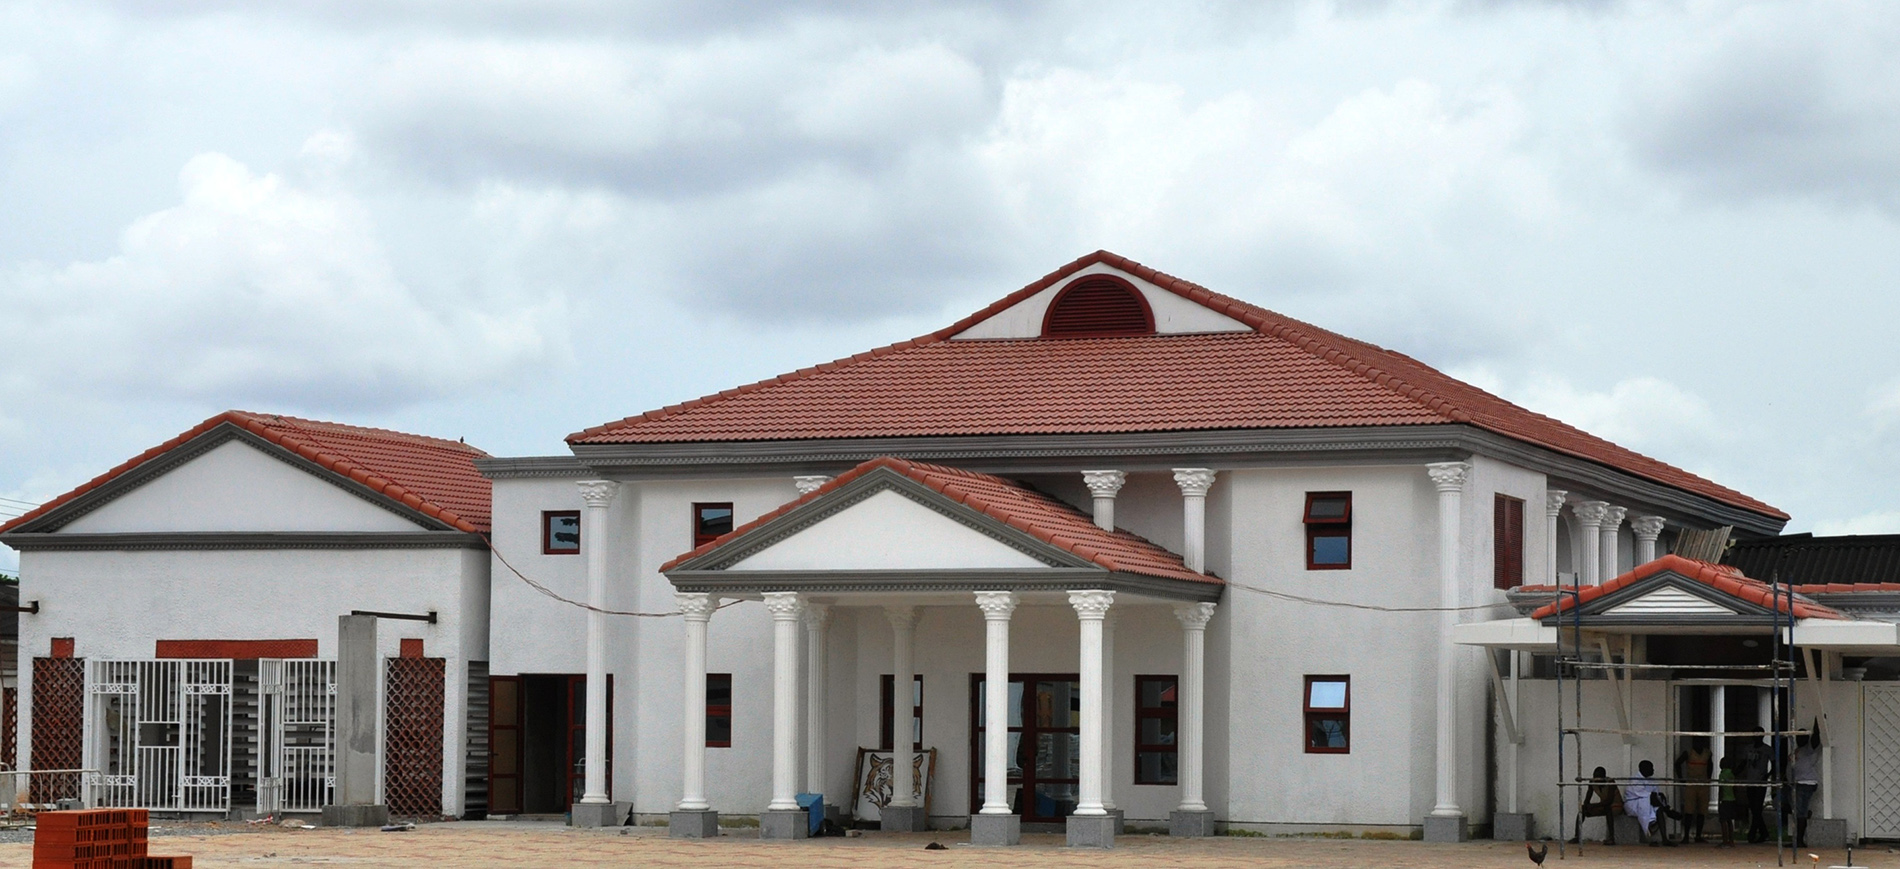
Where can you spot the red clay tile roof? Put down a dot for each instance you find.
(1284, 374)
(1845, 587)
(1718, 576)
(1031, 512)
(432, 476)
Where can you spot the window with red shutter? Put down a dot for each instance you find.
(1507, 542)
(1098, 306)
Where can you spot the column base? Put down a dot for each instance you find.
(1511, 826)
(355, 816)
(1118, 815)
(997, 829)
(595, 815)
(1091, 831)
(903, 819)
(1446, 828)
(1191, 825)
(695, 824)
(784, 824)
(1827, 833)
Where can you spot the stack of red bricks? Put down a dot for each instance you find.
(97, 839)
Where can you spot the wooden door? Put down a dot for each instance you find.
(504, 745)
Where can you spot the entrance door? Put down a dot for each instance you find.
(537, 737)
(1045, 744)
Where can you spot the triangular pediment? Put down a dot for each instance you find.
(1174, 314)
(1667, 597)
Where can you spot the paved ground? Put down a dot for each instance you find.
(536, 845)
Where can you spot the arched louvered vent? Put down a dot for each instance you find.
(1098, 306)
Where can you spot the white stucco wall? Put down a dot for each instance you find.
(888, 531)
(235, 487)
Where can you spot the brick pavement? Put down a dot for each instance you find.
(537, 845)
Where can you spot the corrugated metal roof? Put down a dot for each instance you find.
(1805, 559)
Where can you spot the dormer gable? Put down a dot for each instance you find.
(1101, 300)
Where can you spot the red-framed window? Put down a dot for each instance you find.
(718, 710)
(1328, 519)
(560, 532)
(1156, 717)
(1507, 541)
(885, 709)
(1328, 708)
(710, 522)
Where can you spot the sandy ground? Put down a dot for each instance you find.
(491, 843)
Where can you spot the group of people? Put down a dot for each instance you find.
(1742, 791)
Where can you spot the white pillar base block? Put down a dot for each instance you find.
(596, 815)
(1447, 828)
(1091, 831)
(903, 819)
(996, 830)
(693, 825)
(1191, 824)
(784, 824)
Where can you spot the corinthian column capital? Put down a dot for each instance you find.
(1194, 482)
(598, 493)
(1554, 502)
(1591, 513)
(1104, 484)
(1448, 476)
(1647, 527)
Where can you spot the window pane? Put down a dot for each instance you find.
(1015, 704)
(1326, 694)
(1332, 549)
(1157, 731)
(1326, 732)
(564, 532)
(1058, 704)
(1332, 507)
(1157, 693)
(718, 729)
(718, 689)
(1155, 767)
(714, 519)
(1055, 801)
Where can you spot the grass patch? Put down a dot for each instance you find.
(740, 821)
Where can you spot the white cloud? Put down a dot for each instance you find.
(1884, 522)
(254, 289)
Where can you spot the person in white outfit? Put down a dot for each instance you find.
(1639, 801)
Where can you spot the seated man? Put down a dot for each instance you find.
(1644, 802)
(1600, 800)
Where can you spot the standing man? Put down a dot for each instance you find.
(1756, 763)
(1806, 772)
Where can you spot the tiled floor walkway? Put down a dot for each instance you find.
(532, 845)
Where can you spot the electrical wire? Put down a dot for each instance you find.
(1314, 601)
(575, 603)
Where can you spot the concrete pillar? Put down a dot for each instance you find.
(995, 824)
(1091, 825)
(1718, 744)
(903, 813)
(595, 808)
(1446, 823)
(1590, 515)
(1104, 485)
(1646, 529)
(358, 736)
(817, 671)
(1610, 563)
(1108, 718)
(1553, 508)
(782, 818)
(1192, 817)
(694, 818)
(1194, 483)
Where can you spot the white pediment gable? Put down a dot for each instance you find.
(1669, 602)
(887, 531)
(235, 486)
(1174, 315)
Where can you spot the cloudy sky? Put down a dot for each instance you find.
(1674, 224)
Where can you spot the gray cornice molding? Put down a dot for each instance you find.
(218, 436)
(1222, 449)
(204, 540)
(559, 467)
(732, 582)
(857, 491)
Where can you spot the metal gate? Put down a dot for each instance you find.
(159, 734)
(296, 770)
(1880, 737)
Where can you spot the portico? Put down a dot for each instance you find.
(911, 545)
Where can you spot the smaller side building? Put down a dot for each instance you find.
(183, 651)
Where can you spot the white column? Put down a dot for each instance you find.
(997, 607)
(809, 482)
(784, 607)
(903, 705)
(1553, 506)
(1104, 485)
(1090, 607)
(1718, 744)
(1108, 711)
(1191, 696)
(1449, 477)
(1609, 562)
(1590, 515)
(1517, 717)
(1194, 483)
(1647, 529)
(697, 609)
(817, 620)
(598, 495)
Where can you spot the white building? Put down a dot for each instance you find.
(1215, 558)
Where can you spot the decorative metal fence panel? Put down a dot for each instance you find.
(297, 735)
(1881, 737)
(412, 716)
(10, 728)
(59, 714)
(159, 734)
